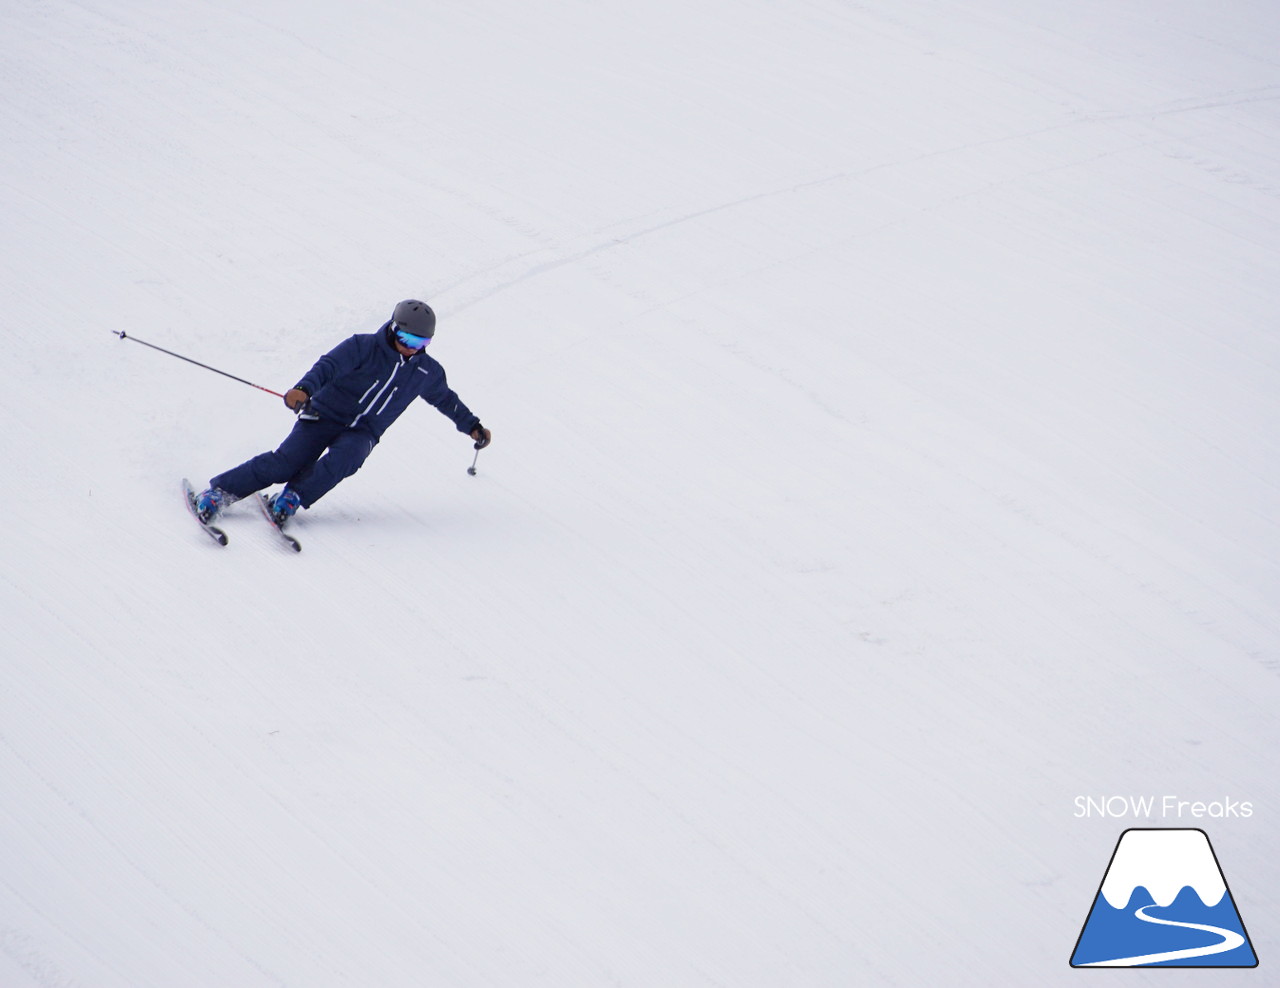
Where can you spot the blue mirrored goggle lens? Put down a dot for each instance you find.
(411, 341)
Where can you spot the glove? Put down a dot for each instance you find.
(482, 436)
(295, 398)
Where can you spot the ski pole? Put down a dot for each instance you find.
(472, 469)
(124, 336)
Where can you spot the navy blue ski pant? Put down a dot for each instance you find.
(313, 459)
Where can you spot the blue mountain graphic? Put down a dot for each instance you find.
(1110, 933)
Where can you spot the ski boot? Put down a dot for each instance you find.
(209, 503)
(283, 506)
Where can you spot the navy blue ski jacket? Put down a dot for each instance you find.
(365, 382)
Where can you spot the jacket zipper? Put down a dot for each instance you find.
(378, 395)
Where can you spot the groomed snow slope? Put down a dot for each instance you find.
(884, 401)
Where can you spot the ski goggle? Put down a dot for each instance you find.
(409, 340)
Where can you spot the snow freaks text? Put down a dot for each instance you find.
(1160, 807)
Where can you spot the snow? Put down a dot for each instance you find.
(1143, 859)
(884, 403)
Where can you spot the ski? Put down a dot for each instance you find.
(189, 497)
(264, 503)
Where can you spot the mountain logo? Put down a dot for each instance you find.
(1164, 902)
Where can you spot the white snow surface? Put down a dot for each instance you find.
(884, 401)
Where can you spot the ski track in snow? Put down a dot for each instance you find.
(563, 255)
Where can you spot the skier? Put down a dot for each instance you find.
(344, 404)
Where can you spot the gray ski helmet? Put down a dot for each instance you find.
(414, 317)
